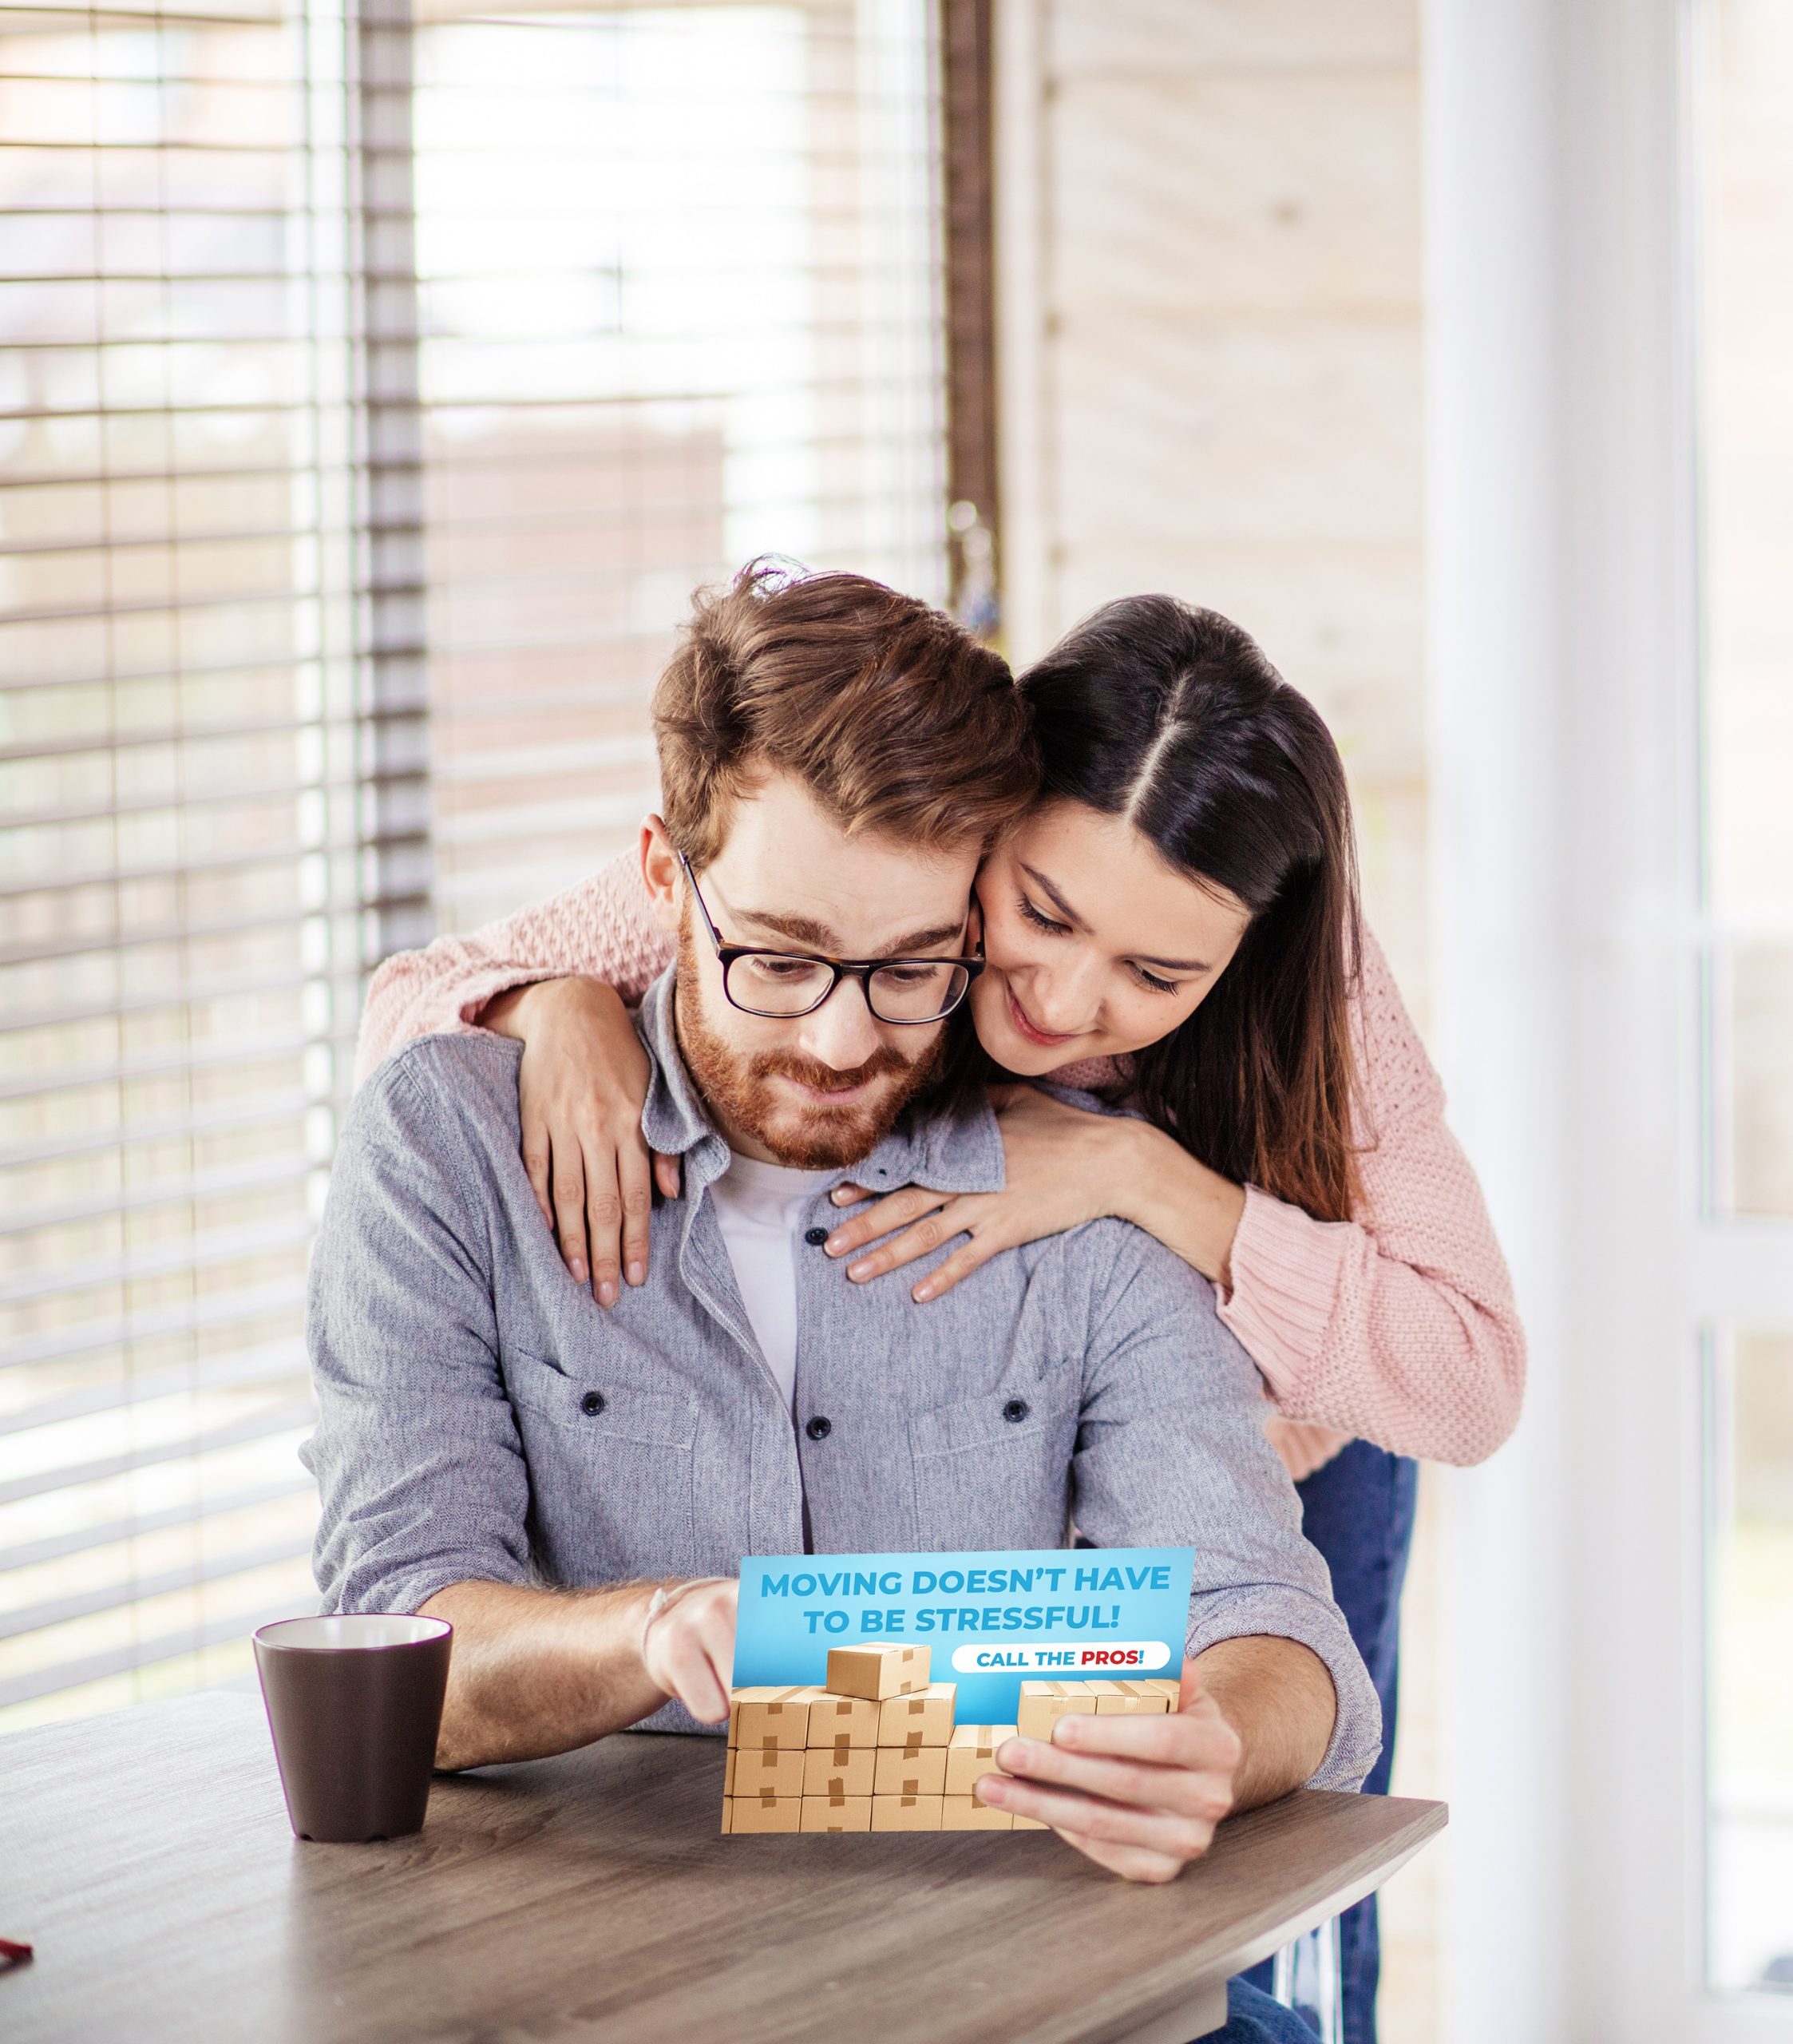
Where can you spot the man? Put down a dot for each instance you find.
(562, 1481)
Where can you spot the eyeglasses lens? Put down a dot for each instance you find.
(917, 991)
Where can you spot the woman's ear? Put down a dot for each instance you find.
(660, 873)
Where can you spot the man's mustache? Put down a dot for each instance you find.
(883, 1063)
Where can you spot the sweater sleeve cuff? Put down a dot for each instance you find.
(460, 1014)
(1286, 1270)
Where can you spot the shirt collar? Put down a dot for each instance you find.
(951, 1145)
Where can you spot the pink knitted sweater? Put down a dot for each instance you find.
(1399, 1328)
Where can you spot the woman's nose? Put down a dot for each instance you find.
(1063, 1001)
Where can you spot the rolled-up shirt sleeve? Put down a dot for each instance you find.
(1171, 1451)
(419, 1468)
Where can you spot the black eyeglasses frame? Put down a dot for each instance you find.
(860, 969)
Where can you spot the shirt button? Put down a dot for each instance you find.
(815, 1237)
(591, 1403)
(1016, 1410)
(819, 1428)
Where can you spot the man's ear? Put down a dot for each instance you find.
(660, 873)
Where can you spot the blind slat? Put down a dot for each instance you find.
(120, 1330)
(130, 1590)
(286, 1168)
(284, 1418)
(58, 1547)
(146, 1653)
(277, 1361)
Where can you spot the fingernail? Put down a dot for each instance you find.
(833, 1246)
(922, 1294)
(638, 1273)
(859, 1272)
(985, 1783)
(577, 1267)
(839, 1195)
(1019, 1755)
(606, 1292)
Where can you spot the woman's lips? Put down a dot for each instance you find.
(1025, 1026)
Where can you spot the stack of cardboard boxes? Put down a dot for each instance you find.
(876, 1748)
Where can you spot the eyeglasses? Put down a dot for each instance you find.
(783, 984)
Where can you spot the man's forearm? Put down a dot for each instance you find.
(1277, 1696)
(540, 1671)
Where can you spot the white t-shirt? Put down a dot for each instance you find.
(760, 1207)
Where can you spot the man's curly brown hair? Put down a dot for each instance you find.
(894, 717)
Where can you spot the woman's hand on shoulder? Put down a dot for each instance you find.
(581, 1087)
(1063, 1165)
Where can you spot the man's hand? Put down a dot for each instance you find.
(540, 1671)
(688, 1648)
(1141, 1795)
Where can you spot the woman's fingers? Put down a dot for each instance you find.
(923, 1239)
(603, 1217)
(897, 1209)
(567, 1186)
(637, 1191)
(986, 1242)
(537, 1156)
(666, 1174)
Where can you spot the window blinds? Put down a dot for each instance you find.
(676, 272)
(191, 863)
(374, 390)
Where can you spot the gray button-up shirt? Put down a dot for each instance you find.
(483, 1417)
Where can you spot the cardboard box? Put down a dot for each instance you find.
(876, 1672)
(903, 1772)
(1120, 1699)
(923, 1717)
(906, 1812)
(1042, 1704)
(728, 1773)
(745, 1813)
(966, 1813)
(972, 1752)
(774, 1719)
(838, 1721)
(848, 1772)
(1170, 1687)
(762, 1772)
(837, 1813)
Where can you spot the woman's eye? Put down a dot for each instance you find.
(1032, 915)
(1153, 980)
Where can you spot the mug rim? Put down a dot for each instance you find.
(266, 1636)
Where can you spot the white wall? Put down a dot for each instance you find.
(1210, 277)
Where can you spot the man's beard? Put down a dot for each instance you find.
(737, 1086)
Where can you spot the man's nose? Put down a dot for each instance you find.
(842, 1033)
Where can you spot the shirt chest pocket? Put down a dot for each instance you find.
(993, 1470)
(610, 1471)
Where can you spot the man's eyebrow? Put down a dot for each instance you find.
(804, 930)
(1071, 915)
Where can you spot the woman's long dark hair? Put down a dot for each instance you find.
(1172, 717)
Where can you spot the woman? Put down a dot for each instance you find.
(1174, 925)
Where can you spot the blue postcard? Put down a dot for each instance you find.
(989, 1621)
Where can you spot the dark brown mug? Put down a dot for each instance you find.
(355, 1703)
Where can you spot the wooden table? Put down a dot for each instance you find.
(147, 1856)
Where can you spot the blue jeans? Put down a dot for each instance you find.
(1252, 2018)
(1358, 1510)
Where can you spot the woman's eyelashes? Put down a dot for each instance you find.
(1152, 980)
(1041, 921)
